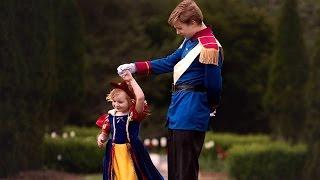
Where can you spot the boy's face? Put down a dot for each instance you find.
(120, 102)
(185, 30)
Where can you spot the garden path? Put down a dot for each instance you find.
(160, 161)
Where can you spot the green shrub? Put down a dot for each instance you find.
(227, 140)
(276, 160)
(82, 131)
(73, 154)
(212, 164)
(213, 158)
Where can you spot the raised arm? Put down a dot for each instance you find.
(153, 66)
(127, 76)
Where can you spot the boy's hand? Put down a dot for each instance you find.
(102, 138)
(130, 67)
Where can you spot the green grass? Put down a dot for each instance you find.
(210, 165)
(93, 177)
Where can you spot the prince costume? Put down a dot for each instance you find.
(197, 81)
(196, 90)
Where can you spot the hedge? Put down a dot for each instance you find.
(276, 160)
(82, 131)
(227, 140)
(244, 156)
(216, 147)
(73, 154)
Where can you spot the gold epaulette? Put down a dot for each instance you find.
(209, 51)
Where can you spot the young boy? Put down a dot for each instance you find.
(196, 89)
(125, 157)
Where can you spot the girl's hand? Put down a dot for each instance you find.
(127, 76)
(101, 139)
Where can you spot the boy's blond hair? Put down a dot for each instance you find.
(186, 12)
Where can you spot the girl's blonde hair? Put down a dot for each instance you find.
(115, 92)
(186, 12)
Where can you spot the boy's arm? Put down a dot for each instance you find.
(155, 66)
(213, 82)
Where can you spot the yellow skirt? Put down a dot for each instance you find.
(123, 167)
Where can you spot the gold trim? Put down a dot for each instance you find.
(209, 56)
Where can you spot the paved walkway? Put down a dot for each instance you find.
(160, 161)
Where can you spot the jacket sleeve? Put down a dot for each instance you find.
(166, 64)
(213, 82)
(161, 65)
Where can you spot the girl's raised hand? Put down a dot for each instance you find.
(127, 76)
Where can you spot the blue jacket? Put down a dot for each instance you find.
(190, 110)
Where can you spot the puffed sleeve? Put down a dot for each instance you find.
(140, 116)
(103, 123)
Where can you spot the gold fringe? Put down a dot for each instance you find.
(209, 56)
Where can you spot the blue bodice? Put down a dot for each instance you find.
(119, 128)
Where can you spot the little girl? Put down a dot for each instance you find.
(125, 158)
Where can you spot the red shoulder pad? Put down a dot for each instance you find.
(208, 42)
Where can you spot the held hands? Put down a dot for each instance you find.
(130, 67)
(126, 76)
(101, 139)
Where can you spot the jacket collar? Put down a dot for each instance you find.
(204, 32)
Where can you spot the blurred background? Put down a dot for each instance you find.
(58, 57)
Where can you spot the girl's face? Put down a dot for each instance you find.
(120, 102)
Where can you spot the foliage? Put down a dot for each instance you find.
(241, 30)
(82, 132)
(33, 45)
(23, 84)
(287, 76)
(227, 140)
(78, 154)
(67, 50)
(312, 131)
(215, 151)
(276, 160)
(70, 153)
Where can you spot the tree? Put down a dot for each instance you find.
(23, 84)
(312, 128)
(287, 77)
(33, 48)
(241, 31)
(67, 53)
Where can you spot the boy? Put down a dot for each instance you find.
(196, 89)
